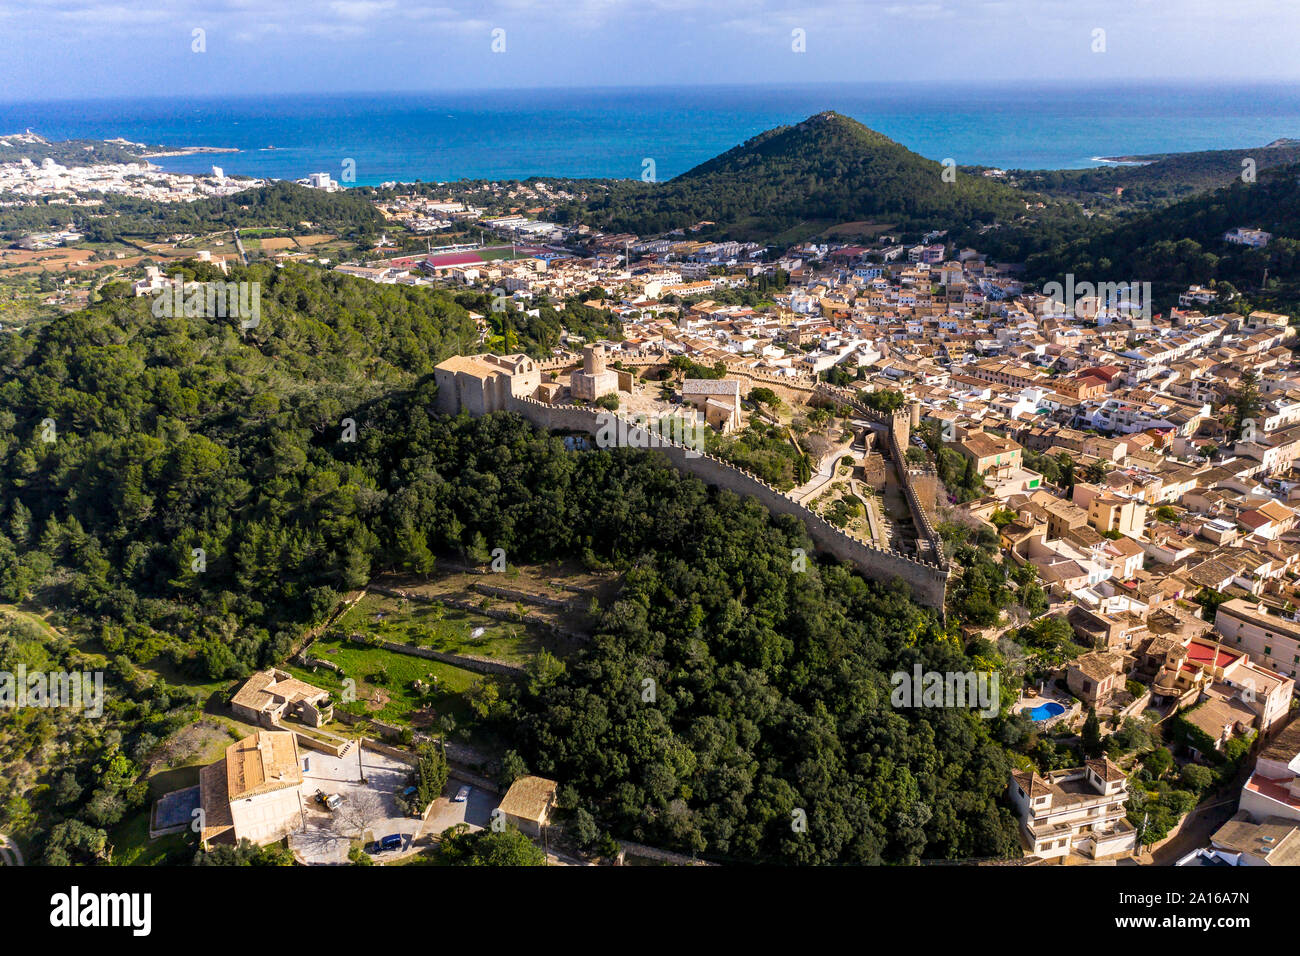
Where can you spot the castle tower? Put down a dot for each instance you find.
(593, 359)
(595, 379)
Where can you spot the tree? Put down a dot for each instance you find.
(430, 774)
(512, 767)
(803, 468)
(1246, 405)
(885, 400)
(482, 696)
(461, 847)
(584, 829)
(360, 810)
(1092, 734)
(1158, 762)
(1196, 778)
(245, 853)
(543, 671)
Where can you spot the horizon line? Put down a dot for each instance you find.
(1027, 83)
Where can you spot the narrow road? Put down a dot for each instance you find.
(1196, 831)
(10, 855)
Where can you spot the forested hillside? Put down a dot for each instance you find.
(279, 204)
(1183, 243)
(128, 441)
(1158, 177)
(826, 170)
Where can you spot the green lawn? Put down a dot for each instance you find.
(132, 846)
(386, 672)
(498, 252)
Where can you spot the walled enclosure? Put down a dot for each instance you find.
(927, 580)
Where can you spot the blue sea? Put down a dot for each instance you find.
(502, 134)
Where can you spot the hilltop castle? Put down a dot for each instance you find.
(485, 383)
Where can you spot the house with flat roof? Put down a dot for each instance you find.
(1269, 639)
(1244, 842)
(1273, 788)
(1080, 810)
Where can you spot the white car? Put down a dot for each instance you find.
(461, 795)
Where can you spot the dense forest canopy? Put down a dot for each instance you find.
(1158, 177)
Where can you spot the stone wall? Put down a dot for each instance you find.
(919, 484)
(928, 581)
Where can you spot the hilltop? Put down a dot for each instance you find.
(799, 180)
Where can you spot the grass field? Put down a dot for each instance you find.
(441, 628)
(132, 846)
(488, 255)
(385, 684)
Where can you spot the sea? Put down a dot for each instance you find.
(607, 132)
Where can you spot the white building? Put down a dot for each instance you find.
(1074, 811)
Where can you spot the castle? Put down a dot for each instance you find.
(480, 384)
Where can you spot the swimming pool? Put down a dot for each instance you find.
(1046, 711)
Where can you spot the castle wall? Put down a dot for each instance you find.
(928, 581)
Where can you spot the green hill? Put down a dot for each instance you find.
(1181, 243)
(1157, 177)
(795, 181)
(277, 204)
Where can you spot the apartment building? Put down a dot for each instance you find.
(1273, 789)
(1080, 811)
(1269, 640)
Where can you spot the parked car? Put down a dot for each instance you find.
(391, 842)
(461, 795)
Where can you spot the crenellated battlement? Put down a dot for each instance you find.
(928, 579)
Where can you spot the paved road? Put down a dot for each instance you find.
(1196, 831)
(10, 855)
(825, 473)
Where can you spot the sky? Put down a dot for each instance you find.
(71, 49)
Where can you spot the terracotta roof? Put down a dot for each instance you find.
(269, 688)
(529, 798)
(1104, 768)
(262, 762)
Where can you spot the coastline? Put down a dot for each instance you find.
(190, 151)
